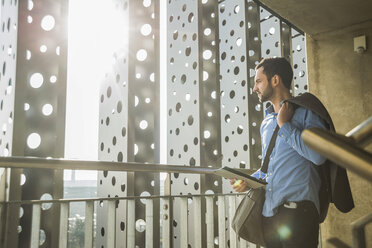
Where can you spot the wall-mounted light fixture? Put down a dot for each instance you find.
(360, 45)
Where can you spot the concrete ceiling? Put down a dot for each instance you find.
(318, 16)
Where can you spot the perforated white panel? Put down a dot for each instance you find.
(129, 118)
(8, 49)
(300, 84)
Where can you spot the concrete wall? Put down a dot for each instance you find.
(342, 79)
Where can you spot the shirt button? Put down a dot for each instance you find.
(269, 189)
(271, 158)
(294, 146)
(270, 174)
(282, 135)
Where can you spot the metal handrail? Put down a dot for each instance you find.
(362, 134)
(66, 164)
(346, 150)
(68, 200)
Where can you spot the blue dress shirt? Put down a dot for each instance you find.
(291, 173)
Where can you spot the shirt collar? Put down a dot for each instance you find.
(270, 110)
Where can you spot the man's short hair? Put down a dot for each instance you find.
(277, 66)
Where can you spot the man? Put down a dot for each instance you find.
(291, 208)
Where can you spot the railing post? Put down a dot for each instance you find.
(89, 213)
(131, 227)
(232, 208)
(63, 224)
(221, 222)
(149, 223)
(197, 221)
(35, 225)
(167, 222)
(184, 239)
(210, 221)
(111, 217)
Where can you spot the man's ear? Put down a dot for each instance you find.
(275, 80)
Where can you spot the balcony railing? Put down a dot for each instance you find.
(226, 205)
(345, 150)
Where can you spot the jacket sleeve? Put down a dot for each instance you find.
(292, 135)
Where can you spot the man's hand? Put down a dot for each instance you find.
(285, 113)
(239, 185)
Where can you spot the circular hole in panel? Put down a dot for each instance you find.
(239, 42)
(207, 31)
(209, 114)
(47, 109)
(102, 232)
(188, 51)
(186, 181)
(192, 161)
(207, 134)
(48, 22)
(42, 237)
(146, 29)
(122, 187)
(146, 3)
(136, 101)
(36, 80)
(27, 106)
(183, 78)
(23, 179)
(53, 79)
(28, 55)
(147, 100)
(119, 106)
(207, 54)
(196, 186)
(175, 35)
(298, 48)
(196, 141)
(152, 77)
(144, 194)
(236, 9)
(19, 229)
(205, 76)
(43, 48)
(178, 107)
(215, 183)
(190, 120)
(29, 19)
(123, 131)
(113, 181)
(44, 197)
(143, 124)
(21, 212)
(120, 157)
(227, 118)
(141, 54)
(135, 149)
(122, 226)
(109, 91)
(301, 73)
(272, 31)
(240, 129)
(33, 140)
(191, 17)
(214, 95)
(184, 7)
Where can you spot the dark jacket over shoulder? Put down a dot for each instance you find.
(335, 186)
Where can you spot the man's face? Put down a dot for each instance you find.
(262, 86)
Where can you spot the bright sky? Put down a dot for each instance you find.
(94, 33)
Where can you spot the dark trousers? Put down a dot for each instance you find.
(293, 227)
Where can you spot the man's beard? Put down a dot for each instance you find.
(266, 94)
